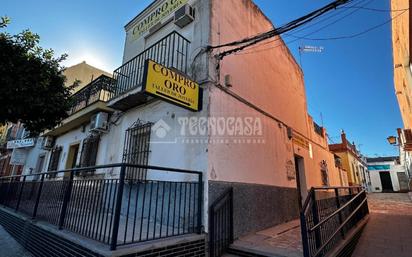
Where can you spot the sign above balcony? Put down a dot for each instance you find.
(20, 143)
(171, 86)
(162, 11)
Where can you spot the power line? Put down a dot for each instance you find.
(278, 31)
(353, 35)
(312, 32)
(312, 25)
(374, 9)
(326, 39)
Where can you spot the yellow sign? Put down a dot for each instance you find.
(154, 17)
(172, 86)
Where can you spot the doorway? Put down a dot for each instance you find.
(386, 181)
(72, 158)
(300, 179)
(39, 166)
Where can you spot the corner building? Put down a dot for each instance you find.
(249, 131)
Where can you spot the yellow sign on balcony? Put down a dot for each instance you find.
(171, 86)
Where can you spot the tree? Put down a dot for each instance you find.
(32, 88)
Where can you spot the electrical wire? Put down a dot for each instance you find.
(352, 35)
(312, 32)
(278, 31)
(374, 9)
(307, 27)
(326, 39)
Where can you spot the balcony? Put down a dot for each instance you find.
(86, 102)
(170, 51)
(406, 138)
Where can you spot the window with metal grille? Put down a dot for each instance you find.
(137, 149)
(324, 173)
(89, 151)
(54, 160)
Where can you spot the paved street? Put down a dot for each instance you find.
(389, 230)
(9, 247)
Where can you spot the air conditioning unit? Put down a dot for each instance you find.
(184, 15)
(48, 142)
(98, 122)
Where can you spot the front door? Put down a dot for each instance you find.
(300, 179)
(386, 181)
(71, 158)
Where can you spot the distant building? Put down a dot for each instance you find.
(20, 154)
(387, 174)
(351, 161)
(82, 73)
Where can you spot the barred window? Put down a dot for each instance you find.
(89, 151)
(136, 149)
(324, 173)
(54, 160)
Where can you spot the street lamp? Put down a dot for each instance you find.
(392, 140)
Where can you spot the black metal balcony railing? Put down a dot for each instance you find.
(170, 51)
(329, 216)
(99, 89)
(115, 211)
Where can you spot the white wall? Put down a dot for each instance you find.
(376, 185)
(32, 158)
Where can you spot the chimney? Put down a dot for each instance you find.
(343, 137)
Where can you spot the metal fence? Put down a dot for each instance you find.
(170, 51)
(115, 211)
(221, 224)
(329, 215)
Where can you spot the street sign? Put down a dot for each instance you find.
(20, 143)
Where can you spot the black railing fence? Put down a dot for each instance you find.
(221, 224)
(115, 211)
(170, 51)
(328, 215)
(99, 89)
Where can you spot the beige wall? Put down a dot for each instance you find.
(273, 82)
(83, 72)
(402, 72)
(350, 164)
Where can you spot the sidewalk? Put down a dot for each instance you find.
(283, 240)
(9, 247)
(389, 230)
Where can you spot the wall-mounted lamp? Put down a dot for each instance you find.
(391, 140)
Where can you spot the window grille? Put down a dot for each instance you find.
(54, 160)
(137, 149)
(89, 151)
(324, 173)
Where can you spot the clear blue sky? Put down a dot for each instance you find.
(350, 83)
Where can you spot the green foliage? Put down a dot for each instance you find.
(32, 83)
